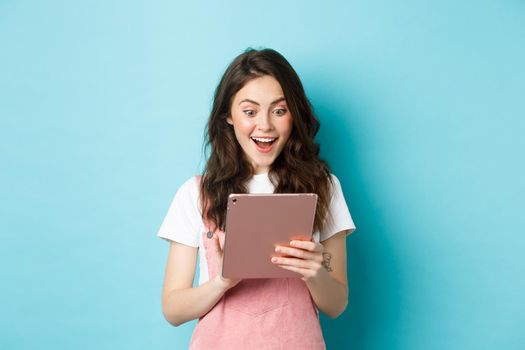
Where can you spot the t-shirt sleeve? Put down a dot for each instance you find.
(338, 218)
(183, 222)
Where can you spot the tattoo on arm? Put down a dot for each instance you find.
(326, 261)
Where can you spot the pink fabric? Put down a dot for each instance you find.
(269, 313)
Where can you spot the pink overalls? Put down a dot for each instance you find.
(269, 313)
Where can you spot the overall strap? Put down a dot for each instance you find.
(206, 236)
(198, 179)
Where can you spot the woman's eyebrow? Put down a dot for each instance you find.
(272, 103)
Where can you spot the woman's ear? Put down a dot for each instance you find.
(229, 120)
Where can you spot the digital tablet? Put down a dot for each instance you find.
(256, 223)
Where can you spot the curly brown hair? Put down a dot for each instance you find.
(297, 169)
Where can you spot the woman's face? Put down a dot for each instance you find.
(261, 121)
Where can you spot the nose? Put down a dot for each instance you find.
(264, 122)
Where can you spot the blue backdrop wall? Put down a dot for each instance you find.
(102, 111)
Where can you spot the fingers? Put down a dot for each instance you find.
(303, 257)
(308, 245)
(299, 253)
(300, 263)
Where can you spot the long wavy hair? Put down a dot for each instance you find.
(297, 169)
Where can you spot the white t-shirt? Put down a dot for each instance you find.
(183, 222)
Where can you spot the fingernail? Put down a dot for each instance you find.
(277, 249)
(274, 259)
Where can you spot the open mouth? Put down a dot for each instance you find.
(264, 141)
(264, 144)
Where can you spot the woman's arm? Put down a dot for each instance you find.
(180, 301)
(323, 266)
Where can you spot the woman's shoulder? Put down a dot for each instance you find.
(336, 184)
(189, 190)
(334, 177)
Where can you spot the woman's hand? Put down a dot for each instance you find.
(225, 283)
(304, 257)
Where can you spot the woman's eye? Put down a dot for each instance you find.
(280, 111)
(249, 112)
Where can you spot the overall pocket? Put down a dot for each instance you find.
(258, 295)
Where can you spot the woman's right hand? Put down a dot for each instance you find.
(225, 283)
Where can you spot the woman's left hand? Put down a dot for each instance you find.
(304, 257)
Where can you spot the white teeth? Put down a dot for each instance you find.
(263, 139)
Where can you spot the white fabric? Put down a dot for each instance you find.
(183, 222)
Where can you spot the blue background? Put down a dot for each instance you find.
(103, 106)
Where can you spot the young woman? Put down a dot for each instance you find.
(261, 137)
